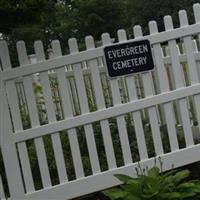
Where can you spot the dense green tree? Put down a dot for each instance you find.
(18, 13)
(142, 11)
(95, 17)
(25, 20)
(45, 20)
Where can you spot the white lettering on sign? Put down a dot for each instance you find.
(130, 63)
(117, 53)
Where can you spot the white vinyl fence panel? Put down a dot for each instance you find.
(66, 127)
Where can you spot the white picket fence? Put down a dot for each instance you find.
(171, 91)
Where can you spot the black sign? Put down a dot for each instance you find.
(128, 58)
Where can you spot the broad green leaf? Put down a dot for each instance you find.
(186, 195)
(149, 196)
(115, 193)
(171, 195)
(131, 197)
(169, 173)
(179, 176)
(133, 188)
(186, 185)
(154, 172)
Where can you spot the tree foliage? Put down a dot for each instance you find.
(95, 17)
(142, 11)
(22, 13)
(45, 20)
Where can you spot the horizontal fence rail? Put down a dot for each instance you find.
(95, 53)
(66, 128)
(105, 113)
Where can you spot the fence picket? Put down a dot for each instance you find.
(57, 147)
(171, 71)
(179, 82)
(93, 65)
(34, 118)
(196, 51)
(148, 91)
(164, 87)
(136, 115)
(196, 10)
(8, 148)
(106, 87)
(84, 109)
(68, 112)
(189, 49)
(17, 123)
(193, 72)
(120, 119)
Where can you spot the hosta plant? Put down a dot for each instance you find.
(154, 185)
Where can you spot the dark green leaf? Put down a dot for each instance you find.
(115, 193)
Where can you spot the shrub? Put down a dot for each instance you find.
(156, 186)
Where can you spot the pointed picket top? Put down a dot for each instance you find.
(106, 39)
(194, 43)
(39, 50)
(89, 41)
(137, 30)
(167, 51)
(121, 35)
(22, 53)
(196, 8)
(183, 18)
(168, 23)
(57, 52)
(73, 45)
(153, 27)
(4, 55)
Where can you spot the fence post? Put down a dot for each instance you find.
(9, 151)
(2, 194)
